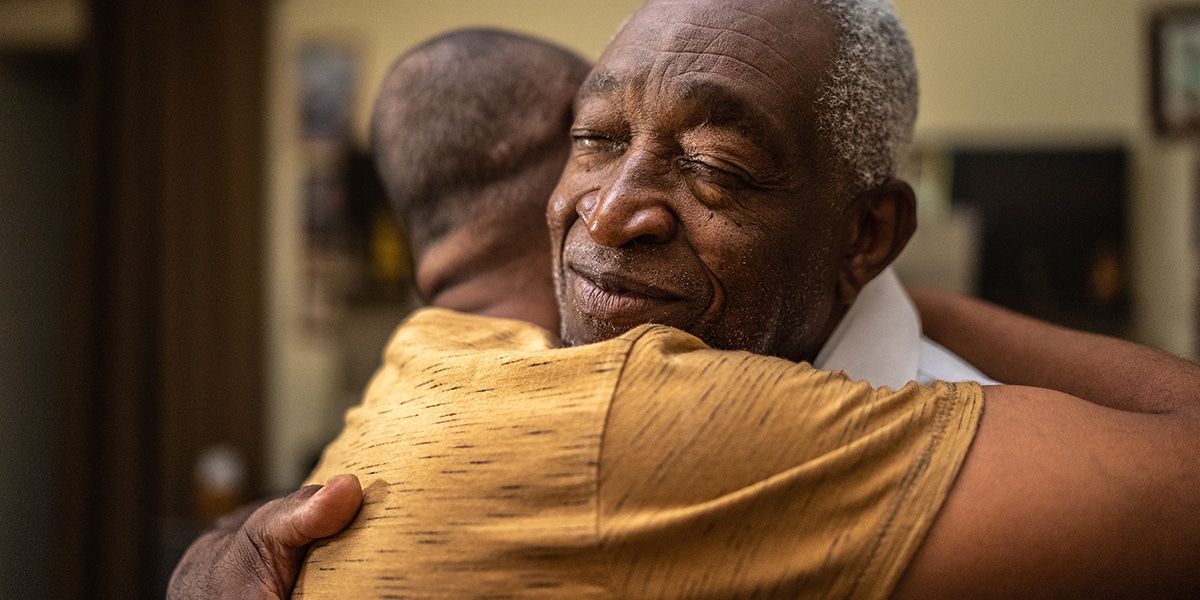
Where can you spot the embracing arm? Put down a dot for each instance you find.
(1092, 491)
(1020, 350)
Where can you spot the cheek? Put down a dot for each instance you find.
(810, 268)
(740, 251)
(746, 267)
(809, 262)
(779, 281)
(559, 217)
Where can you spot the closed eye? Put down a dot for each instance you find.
(589, 142)
(719, 172)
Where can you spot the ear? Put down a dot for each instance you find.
(882, 221)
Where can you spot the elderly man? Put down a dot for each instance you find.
(737, 182)
(695, 152)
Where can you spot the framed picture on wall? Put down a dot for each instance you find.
(1175, 68)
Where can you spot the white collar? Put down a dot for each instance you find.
(879, 339)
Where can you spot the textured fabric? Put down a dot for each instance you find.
(647, 466)
(879, 341)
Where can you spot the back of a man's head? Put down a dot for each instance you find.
(470, 128)
(470, 136)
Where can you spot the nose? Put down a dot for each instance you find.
(635, 207)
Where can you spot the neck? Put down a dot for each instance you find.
(504, 293)
(492, 277)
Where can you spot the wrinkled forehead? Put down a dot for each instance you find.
(774, 50)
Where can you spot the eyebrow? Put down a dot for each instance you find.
(727, 108)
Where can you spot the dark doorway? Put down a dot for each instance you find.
(38, 178)
(1053, 225)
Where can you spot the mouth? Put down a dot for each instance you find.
(617, 298)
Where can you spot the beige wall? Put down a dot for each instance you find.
(1055, 71)
(1027, 67)
(993, 71)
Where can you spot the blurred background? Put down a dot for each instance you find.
(198, 272)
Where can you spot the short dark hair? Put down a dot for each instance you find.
(462, 117)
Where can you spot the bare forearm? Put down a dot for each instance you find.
(1020, 350)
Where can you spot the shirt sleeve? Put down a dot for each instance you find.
(734, 475)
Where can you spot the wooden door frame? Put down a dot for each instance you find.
(166, 322)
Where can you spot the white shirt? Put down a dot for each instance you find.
(880, 340)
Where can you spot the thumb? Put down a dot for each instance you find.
(313, 512)
(280, 531)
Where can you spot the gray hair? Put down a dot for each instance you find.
(868, 105)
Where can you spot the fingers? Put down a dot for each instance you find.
(279, 532)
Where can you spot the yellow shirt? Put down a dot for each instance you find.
(495, 465)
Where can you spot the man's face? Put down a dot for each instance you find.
(692, 197)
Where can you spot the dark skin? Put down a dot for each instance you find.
(694, 196)
(500, 269)
(1059, 497)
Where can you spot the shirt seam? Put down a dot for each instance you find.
(886, 535)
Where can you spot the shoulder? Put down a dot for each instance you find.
(753, 443)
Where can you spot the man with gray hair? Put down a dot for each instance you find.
(479, 442)
(831, 217)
